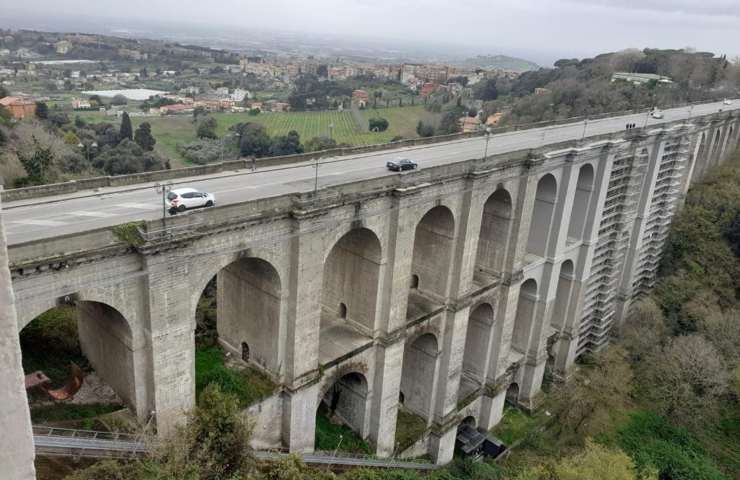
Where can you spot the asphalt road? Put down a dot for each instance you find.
(46, 217)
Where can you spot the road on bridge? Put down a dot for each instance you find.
(46, 217)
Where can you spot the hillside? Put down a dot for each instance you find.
(501, 62)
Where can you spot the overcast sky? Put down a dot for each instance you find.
(583, 27)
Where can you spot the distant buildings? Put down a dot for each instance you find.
(640, 78)
(469, 124)
(360, 98)
(542, 91)
(19, 107)
(63, 47)
(428, 88)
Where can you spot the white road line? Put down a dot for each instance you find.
(93, 214)
(40, 223)
(140, 206)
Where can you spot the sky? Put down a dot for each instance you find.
(552, 28)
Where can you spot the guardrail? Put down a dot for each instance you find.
(73, 186)
(53, 441)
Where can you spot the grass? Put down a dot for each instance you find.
(248, 384)
(515, 425)
(409, 428)
(330, 436)
(64, 412)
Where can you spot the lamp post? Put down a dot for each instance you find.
(488, 138)
(585, 126)
(331, 130)
(86, 149)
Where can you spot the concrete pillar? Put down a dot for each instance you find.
(387, 385)
(299, 418)
(304, 302)
(172, 340)
(492, 410)
(442, 445)
(16, 443)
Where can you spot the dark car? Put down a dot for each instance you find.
(401, 165)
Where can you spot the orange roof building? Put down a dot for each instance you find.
(19, 107)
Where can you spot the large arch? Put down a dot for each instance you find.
(581, 203)
(525, 314)
(350, 282)
(494, 232)
(477, 346)
(417, 375)
(432, 257)
(248, 311)
(541, 222)
(347, 400)
(106, 340)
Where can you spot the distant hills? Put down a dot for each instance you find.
(502, 62)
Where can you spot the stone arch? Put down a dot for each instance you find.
(432, 252)
(418, 373)
(469, 421)
(350, 280)
(581, 203)
(512, 394)
(346, 398)
(106, 338)
(248, 310)
(562, 295)
(542, 214)
(477, 348)
(525, 314)
(494, 232)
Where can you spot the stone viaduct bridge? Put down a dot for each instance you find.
(441, 293)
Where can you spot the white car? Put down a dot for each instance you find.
(727, 102)
(182, 199)
(656, 114)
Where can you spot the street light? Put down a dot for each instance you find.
(585, 125)
(162, 188)
(488, 138)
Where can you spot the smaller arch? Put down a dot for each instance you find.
(562, 295)
(512, 394)
(525, 312)
(420, 358)
(245, 352)
(469, 421)
(346, 400)
(414, 284)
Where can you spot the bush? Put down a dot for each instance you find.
(378, 124)
(653, 442)
(202, 152)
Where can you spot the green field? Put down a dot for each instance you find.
(175, 130)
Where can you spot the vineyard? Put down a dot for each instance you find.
(174, 130)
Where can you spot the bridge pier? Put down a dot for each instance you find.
(16, 442)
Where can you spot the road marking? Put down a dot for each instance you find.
(93, 214)
(40, 223)
(139, 206)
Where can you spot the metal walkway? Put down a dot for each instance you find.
(52, 441)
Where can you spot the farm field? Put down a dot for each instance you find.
(174, 130)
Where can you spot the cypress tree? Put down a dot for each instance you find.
(126, 129)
